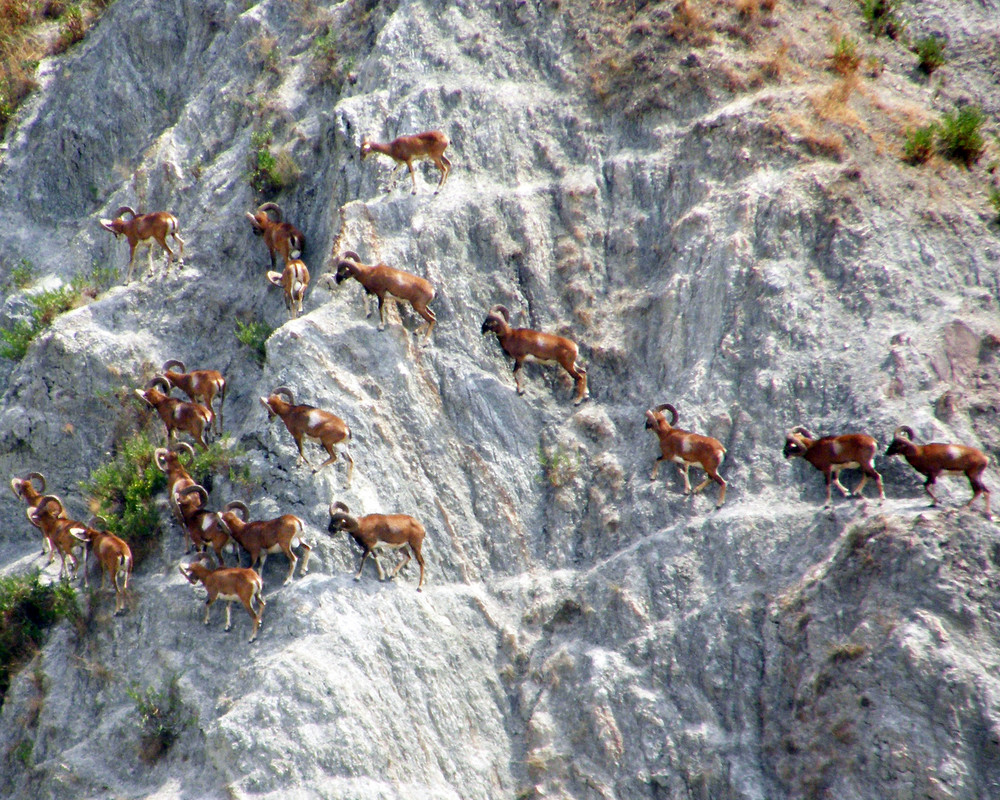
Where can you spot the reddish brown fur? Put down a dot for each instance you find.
(831, 454)
(381, 280)
(522, 343)
(294, 280)
(303, 420)
(229, 582)
(203, 527)
(931, 460)
(178, 415)
(115, 558)
(267, 536)
(158, 226)
(25, 489)
(281, 238)
(373, 530)
(49, 517)
(429, 145)
(201, 385)
(684, 449)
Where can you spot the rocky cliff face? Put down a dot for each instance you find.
(719, 219)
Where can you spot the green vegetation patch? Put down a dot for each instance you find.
(254, 335)
(27, 608)
(884, 17)
(270, 171)
(958, 135)
(162, 715)
(45, 306)
(930, 53)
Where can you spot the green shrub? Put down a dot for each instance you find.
(27, 608)
(23, 275)
(122, 491)
(919, 145)
(958, 135)
(73, 29)
(162, 715)
(845, 55)
(884, 17)
(16, 340)
(254, 335)
(930, 52)
(46, 306)
(269, 172)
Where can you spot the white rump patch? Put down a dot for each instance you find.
(315, 417)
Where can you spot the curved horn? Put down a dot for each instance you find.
(904, 432)
(159, 380)
(673, 412)
(50, 498)
(196, 488)
(173, 363)
(96, 520)
(41, 479)
(503, 311)
(285, 391)
(802, 430)
(265, 207)
(184, 446)
(159, 454)
(339, 505)
(350, 255)
(124, 210)
(238, 505)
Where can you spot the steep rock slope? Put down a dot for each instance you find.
(749, 248)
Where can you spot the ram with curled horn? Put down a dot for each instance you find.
(260, 537)
(281, 238)
(200, 385)
(203, 527)
(146, 228)
(304, 420)
(525, 344)
(375, 532)
(686, 449)
(169, 462)
(177, 415)
(385, 282)
(49, 516)
(930, 460)
(24, 488)
(831, 454)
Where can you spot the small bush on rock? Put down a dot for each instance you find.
(958, 135)
(162, 715)
(27, 608)
(919, 146)
(930, 52)
(884, 17)
(254, 335)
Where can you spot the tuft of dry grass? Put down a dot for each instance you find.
(845, 59)
(29, 31)
(776, 64)
(689, 25)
